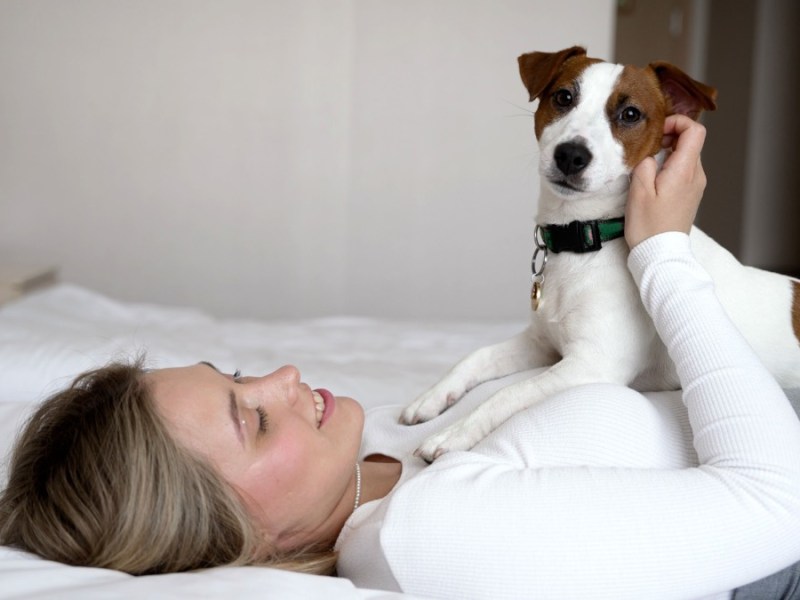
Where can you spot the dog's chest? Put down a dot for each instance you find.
(578, 289)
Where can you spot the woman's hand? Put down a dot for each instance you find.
(667, 200)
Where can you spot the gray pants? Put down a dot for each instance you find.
(783, 585)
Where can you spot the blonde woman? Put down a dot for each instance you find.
(599, 492)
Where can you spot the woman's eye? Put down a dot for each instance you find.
(262, 419)
(237, 374)
(563, 98)
(630, 115)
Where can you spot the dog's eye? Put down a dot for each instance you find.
(563, 98)
(630, 115)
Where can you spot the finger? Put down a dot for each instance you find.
(643, 177)
(677, 124)
(690, 141)
(674, 127)
(684, 128)
(700, 174)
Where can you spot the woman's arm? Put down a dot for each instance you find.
(472, 525)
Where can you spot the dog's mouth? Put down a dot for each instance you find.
(563, 183)
(565, 186)
(574, 187)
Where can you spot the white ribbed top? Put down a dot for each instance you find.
(601, 492)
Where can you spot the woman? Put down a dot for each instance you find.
(593, 493)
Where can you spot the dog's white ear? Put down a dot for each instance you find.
(538, 69)
(686, 96)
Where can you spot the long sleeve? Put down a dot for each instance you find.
(497, 523)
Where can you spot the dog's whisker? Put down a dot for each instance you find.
(522, 108)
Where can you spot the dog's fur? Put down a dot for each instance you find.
(591, 326)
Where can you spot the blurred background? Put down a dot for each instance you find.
(749, 50)
(300, 158)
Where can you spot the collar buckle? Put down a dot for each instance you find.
(581, 236)
(589, 235)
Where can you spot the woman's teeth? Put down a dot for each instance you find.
(320, 406)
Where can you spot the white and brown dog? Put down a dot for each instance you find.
(595, 121)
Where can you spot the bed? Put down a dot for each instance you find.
(49, 336)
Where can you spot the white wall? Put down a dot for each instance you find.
(279, 158)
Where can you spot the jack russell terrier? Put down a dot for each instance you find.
(596, 121)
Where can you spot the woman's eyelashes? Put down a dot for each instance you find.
(262, 419)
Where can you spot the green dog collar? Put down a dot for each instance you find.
(582, 236)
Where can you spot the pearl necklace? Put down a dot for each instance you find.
(358, 487)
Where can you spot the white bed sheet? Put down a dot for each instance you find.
(48, 337)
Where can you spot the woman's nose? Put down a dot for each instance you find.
(288, 375)
(281, 384)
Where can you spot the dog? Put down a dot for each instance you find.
(594, 123)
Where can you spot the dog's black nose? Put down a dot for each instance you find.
(572, 158)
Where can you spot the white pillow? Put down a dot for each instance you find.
(24, 575)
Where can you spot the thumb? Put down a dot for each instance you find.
(640, 195)
(643, 179)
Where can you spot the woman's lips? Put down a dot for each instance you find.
(330, 405)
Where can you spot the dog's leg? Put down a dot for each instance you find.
(465, 433)
(521, 352)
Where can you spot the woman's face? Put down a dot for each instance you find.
(290, 451)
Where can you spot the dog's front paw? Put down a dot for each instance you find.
(459, 436)
(428, 406)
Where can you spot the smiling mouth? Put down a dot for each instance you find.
(325, 404)
(319, 405)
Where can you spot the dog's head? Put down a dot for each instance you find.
(597, 120)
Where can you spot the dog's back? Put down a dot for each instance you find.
(765, 307)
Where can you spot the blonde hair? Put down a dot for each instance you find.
(95, 479)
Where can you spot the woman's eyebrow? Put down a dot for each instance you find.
(208, 364)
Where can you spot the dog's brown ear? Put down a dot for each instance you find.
(538, 69)
(686, 96)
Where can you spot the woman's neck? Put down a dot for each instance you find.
(379, 475)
